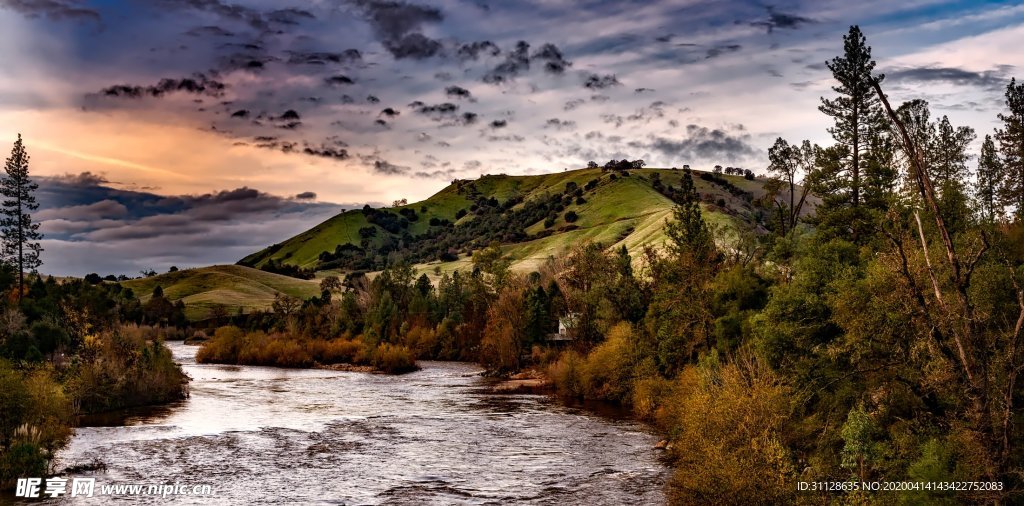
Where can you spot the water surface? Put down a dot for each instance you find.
(265, 435)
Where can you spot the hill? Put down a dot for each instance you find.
(532, 217)
(231, 286)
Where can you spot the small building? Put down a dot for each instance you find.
(566, 329)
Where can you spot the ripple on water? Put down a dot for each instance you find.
(437, 436)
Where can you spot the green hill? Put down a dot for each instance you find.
(611, 207)
(230, 286)
(530, 216)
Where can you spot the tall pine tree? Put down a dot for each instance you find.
(1011, 144)
(856, 110)
(990, 174)
(20, 235)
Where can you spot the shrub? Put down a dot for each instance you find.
(393, 359)
(729, 425)
(126, 367)
(571, 216)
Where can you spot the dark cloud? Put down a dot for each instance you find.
(388, 168)
(55, 10)
(241, 113)
(324, 57)
(397, 25)
(324, 151)
(989, 79)
(289, 16)
(720, 50)
(209, 31)
(372, 99)
(573, 104)
(225, 10)
(474, 50)
(554, 61)
(643, 90)
(516, 62)
(706, 144)
(389, 112)
(499, 123)
(436, 112)
(338, 80)
(560, 124)
(306, 196)
(198, 84)
(778, 19)
(457, 92)
(596, 82)
(106, 208)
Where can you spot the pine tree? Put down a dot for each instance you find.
(990, 172)
(1011, 144)
(949, 149)
(20, 236)
(688, 234)
(856, 110)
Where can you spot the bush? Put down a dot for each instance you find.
(729, 425)
(126, 367)
(230, 345)
(393, 359)
(571, 216)
(35, 422)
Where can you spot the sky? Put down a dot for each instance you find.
(193, 132)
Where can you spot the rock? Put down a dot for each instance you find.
(662, 445)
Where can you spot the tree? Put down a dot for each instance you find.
(591, 164)
(786, 161)
(21, 237)
(949, 148)
(990, 173)
(856, 107)
(1011, 144)
(688, 232)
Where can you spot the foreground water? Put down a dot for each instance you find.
(438, 436)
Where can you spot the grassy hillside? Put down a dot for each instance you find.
(614, 210)
(231, 286)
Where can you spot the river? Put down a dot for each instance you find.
(263, 435)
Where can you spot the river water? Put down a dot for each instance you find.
(263, 435)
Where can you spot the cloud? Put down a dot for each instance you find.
(388, 168)
(397, 25)
(306, 196)
(458, 92)
(554, 61)
(475, 50)
(289, 16)
(499, 123)
(597, 82)
(55, 10)
(783, 20)
(103, 209)
(234, 12)
(198, 84)
(320, 58)
(516, 62)
(989, 79)
(338, 80)
(209, 31)
(705, 144)
(560, 124)
(717, 51)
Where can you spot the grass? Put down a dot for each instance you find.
(232, 286)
